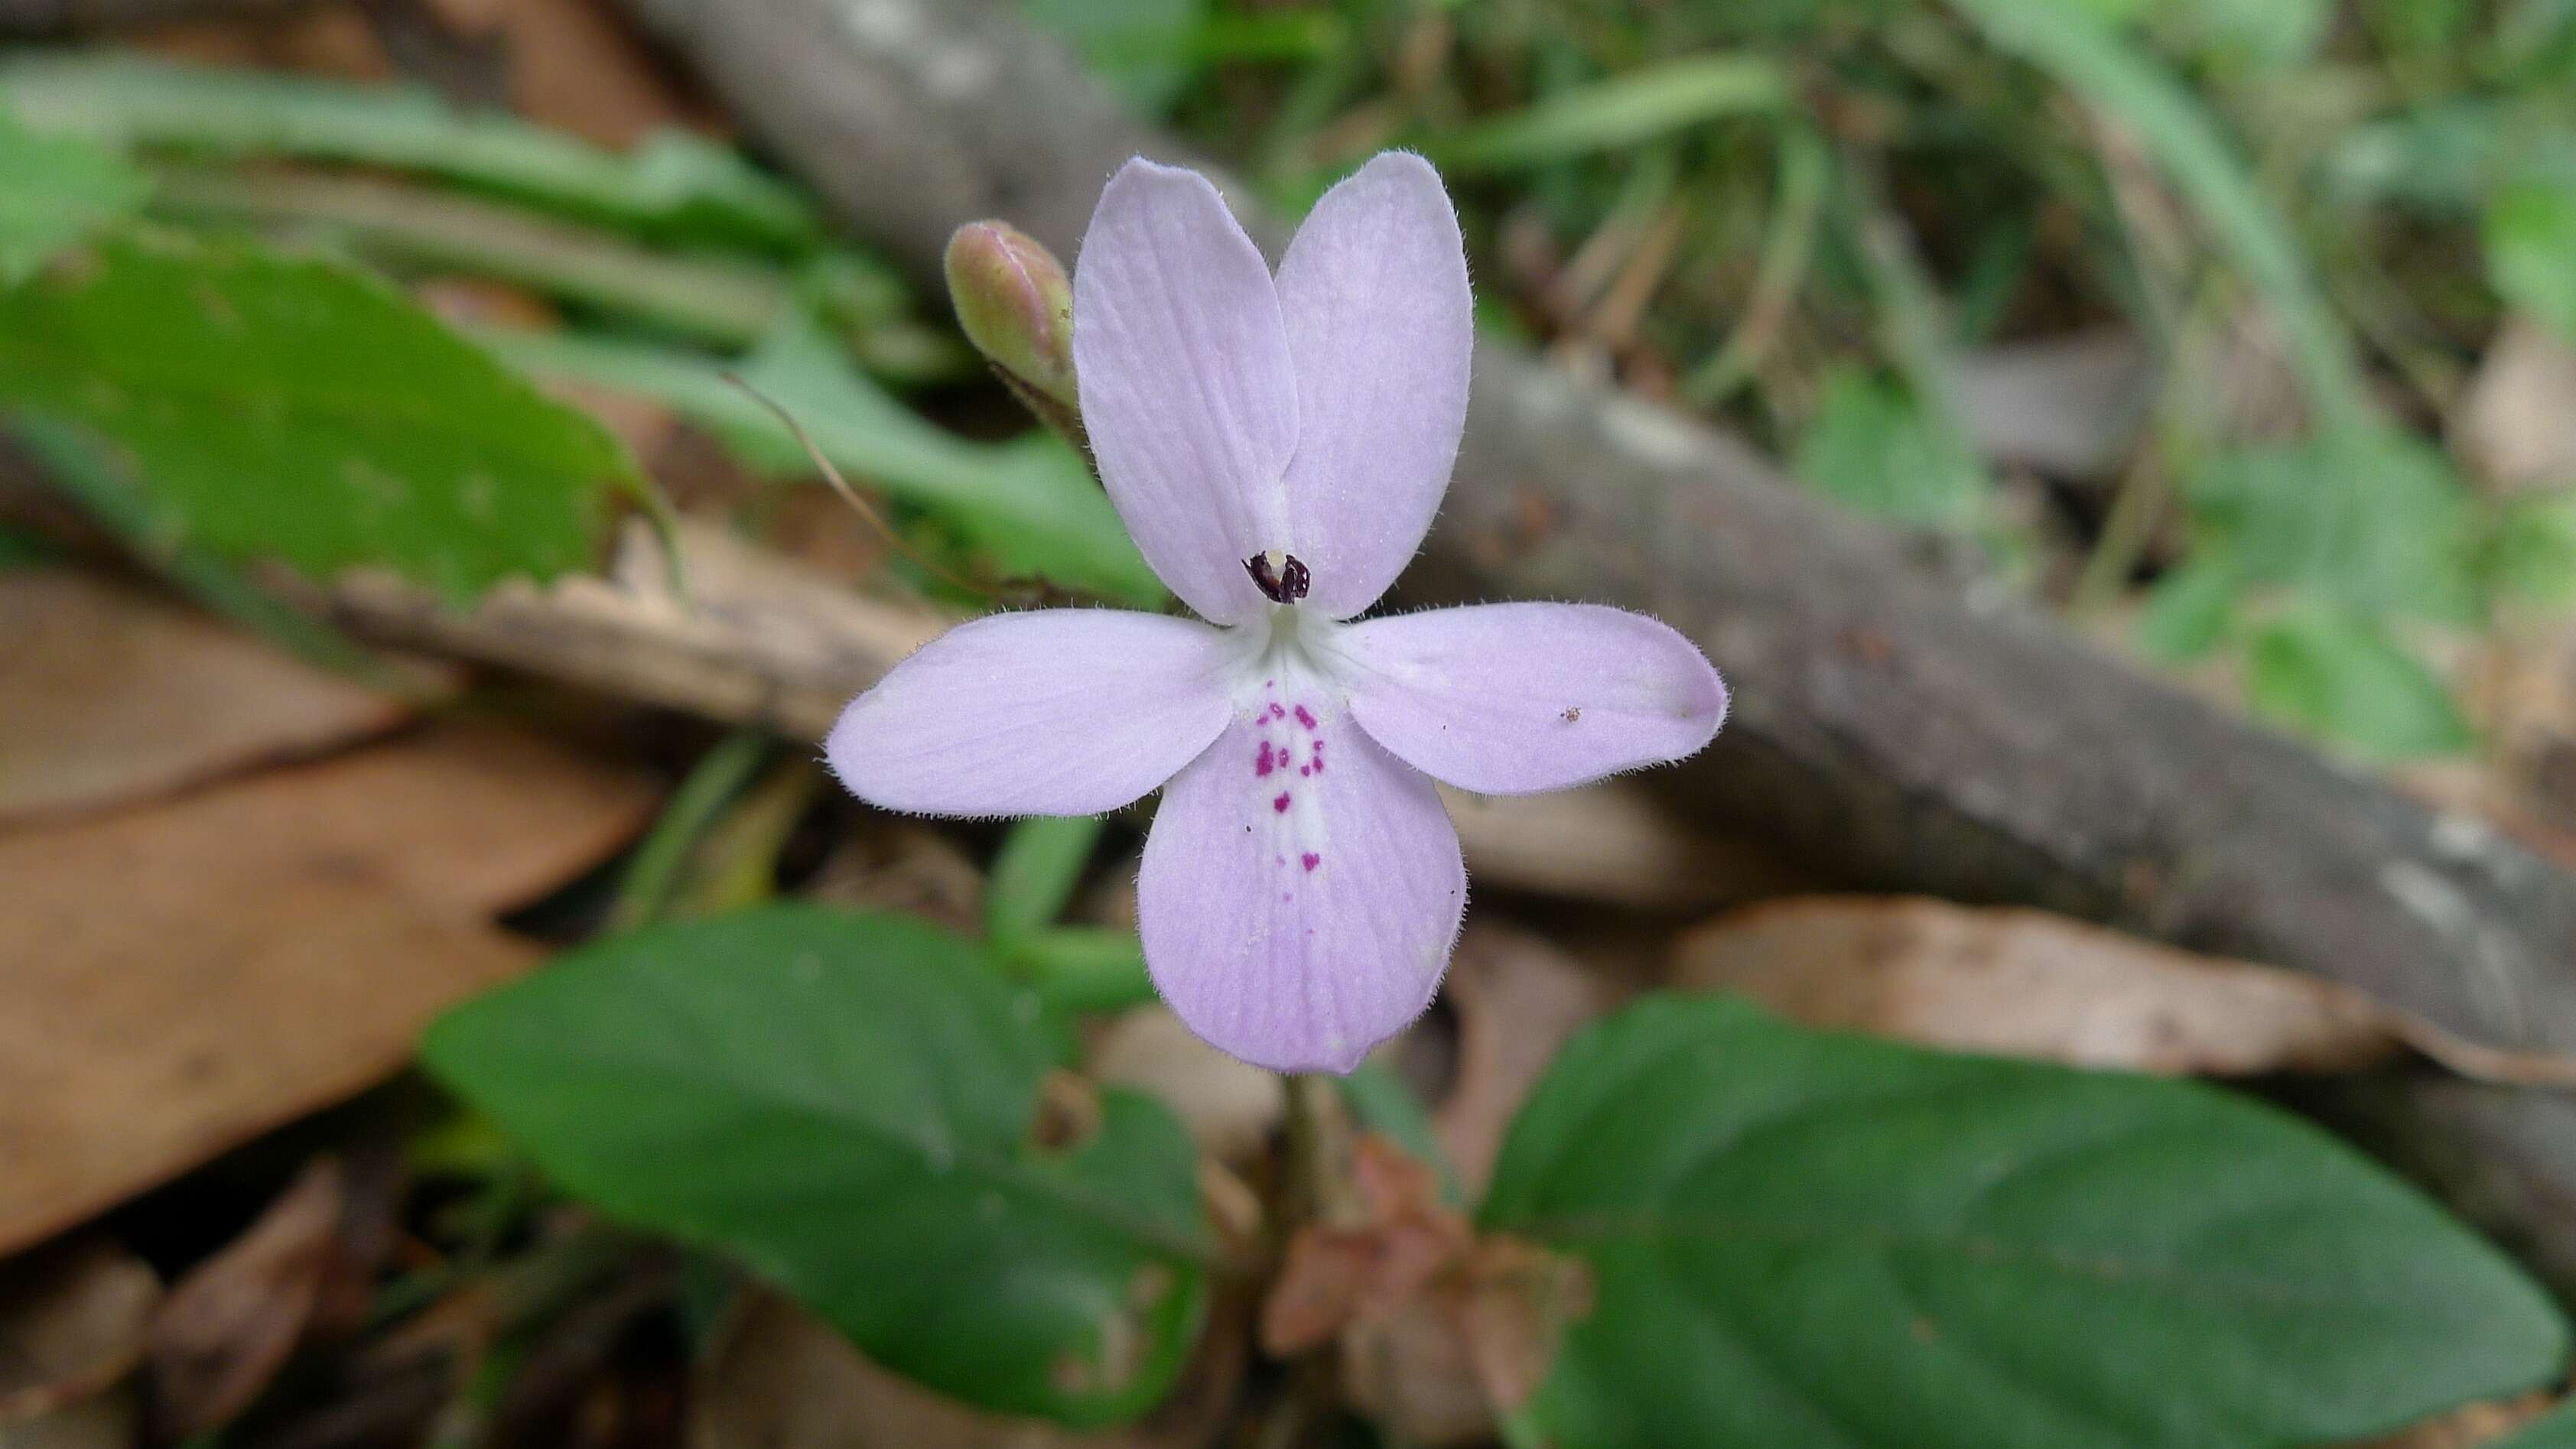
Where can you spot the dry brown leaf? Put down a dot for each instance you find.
(903, 865)
(229, 961)
(777, 1377)
(115, 696)
(1607, 842)
(1229, 1108)
(758, 640)
(2517, 424)
(72, 1321)
(1517, 998)
(332, 40)
(575, 66)
(2467, 1427)
(1437, 1328)
(231, 1323)
(2026, 983)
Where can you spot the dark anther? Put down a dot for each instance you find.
(1285, 586)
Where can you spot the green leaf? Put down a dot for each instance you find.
(2531, 550)
(55, 191)
(1030, 504)
(2531, 251)
(301, 410)
(2344, 678)
(675, 184)
(1083, 968)
(1810, 1238)
(1040, 863)
(1638, 105)
(2189, 610)
(849, 1104)
(2375, 521)
(1872, 447)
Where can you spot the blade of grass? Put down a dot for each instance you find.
(1621, 111)
(2088, 58)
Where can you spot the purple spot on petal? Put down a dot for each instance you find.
(1304, 718)
(1277, 713)
(1305, 769)
(1280, 805)
(1264, 764)
(1311, 859)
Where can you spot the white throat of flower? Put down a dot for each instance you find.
(1287, 657)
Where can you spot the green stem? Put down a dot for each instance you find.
(654, 870)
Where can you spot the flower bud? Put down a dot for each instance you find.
(1016, 304)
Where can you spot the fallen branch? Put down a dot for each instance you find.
(1893, 732)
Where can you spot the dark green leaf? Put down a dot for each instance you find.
(849, 1104)
(304, 411)
(1806, 1238)
(675, 184)
(2345, 679)
(54, 192)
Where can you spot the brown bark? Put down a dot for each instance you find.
(1885, 726)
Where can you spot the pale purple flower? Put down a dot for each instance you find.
(1277, 447)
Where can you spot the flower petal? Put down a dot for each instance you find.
(1182, 367)
(1381, 324)
(1058, 712)
(1300, 893)
(1507, 699)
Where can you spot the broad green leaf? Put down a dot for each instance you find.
(55, 191)
(2531, 251)
(2373, 520)
(2344, 678)
(1041, 861)
(1808, 1238)
(300, 410)
(1030, 504)
(1141, 48)
(675, 184)
(1872, 448)
(1620, 111)
(850, 1105)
